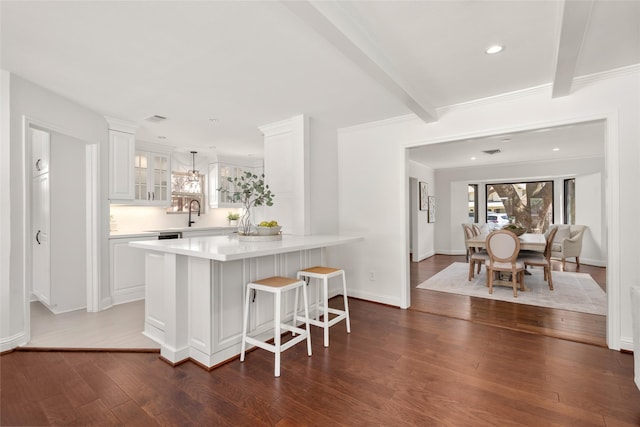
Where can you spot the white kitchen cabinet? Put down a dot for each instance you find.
(122, 147)
(40, 244)
(152, 172)
(40, 146)
(218, 174)
(127, 270)
(155, 315)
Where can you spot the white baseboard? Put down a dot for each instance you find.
(591, 261)
(450, 252)
(129, 295)
(367, 296)
(626, 343)
(105, 303)
(422, 257)
(12, 342)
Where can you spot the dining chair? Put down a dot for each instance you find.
(503, 247)
(541, 259)
(476, 255)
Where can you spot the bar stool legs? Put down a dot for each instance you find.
(276, 286)
(322, 304)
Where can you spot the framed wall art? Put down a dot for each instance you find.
(432, 209)
(424, 195)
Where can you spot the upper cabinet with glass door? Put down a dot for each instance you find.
(152, 178)
(219, 173)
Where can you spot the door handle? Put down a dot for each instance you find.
(37, 237)
(38, 167)
(153, 195)
(148, 195)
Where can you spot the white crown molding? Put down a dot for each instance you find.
(544, 89)
(121, 125)
(398, 120)
(277, 128)
(605, 75)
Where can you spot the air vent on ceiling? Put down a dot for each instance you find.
(492, 152)
(156, 118)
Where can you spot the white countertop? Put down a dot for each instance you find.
(229, 248)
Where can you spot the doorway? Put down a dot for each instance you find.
(69, 204)
(610, 187)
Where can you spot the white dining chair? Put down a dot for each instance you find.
(503, 247)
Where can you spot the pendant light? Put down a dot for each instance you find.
(193, 173)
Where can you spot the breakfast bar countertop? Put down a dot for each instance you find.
(229, 248)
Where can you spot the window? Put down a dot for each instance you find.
(184, 190)
(473, 202)
(529, 204)
(569, 215)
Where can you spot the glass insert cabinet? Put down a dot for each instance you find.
(152, 177)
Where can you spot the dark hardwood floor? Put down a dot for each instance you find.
(397, 367)
(570, 325)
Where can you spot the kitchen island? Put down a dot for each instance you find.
(194, 290)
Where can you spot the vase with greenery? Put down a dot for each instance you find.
(250, 191)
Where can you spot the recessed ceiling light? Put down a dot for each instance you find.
(496, 48)
(506, 140)
(213, 120)
(473, 158)
(162, 137)
(556, 149)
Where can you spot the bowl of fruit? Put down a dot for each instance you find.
(268, 228)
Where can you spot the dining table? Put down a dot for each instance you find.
(528, 241)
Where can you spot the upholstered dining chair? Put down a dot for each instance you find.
(541, 259)
(503, 247)
(476, 255)
(465, 233)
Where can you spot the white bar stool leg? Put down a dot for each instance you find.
(245, 318)
(277, 337)
(306, 317)
(346, 302)
(325, 306)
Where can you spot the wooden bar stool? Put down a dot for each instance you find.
(277, 286)
(324, 274)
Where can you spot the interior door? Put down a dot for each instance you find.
(40, 242)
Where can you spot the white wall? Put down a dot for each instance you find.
(323, 157)
(64, 116)
(423, 231)
(452, 185)
(589, 212)
(148, 218)
(5, 211)
(372, 191)
(68, 223)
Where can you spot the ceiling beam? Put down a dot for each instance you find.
(341, 27)
(575, 18)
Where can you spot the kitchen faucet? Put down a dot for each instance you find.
(190, 210)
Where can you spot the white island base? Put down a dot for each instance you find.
(195, 291)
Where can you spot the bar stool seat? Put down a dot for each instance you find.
(277, 285)
(322, 305)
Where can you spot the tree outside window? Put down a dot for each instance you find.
(529, 204)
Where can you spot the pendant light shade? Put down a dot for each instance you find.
(193, 173)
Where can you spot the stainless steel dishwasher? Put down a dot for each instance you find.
(164, 235)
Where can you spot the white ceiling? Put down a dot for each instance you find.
(576, 141)
(247, 64)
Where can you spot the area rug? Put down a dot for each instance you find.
(572, 291)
